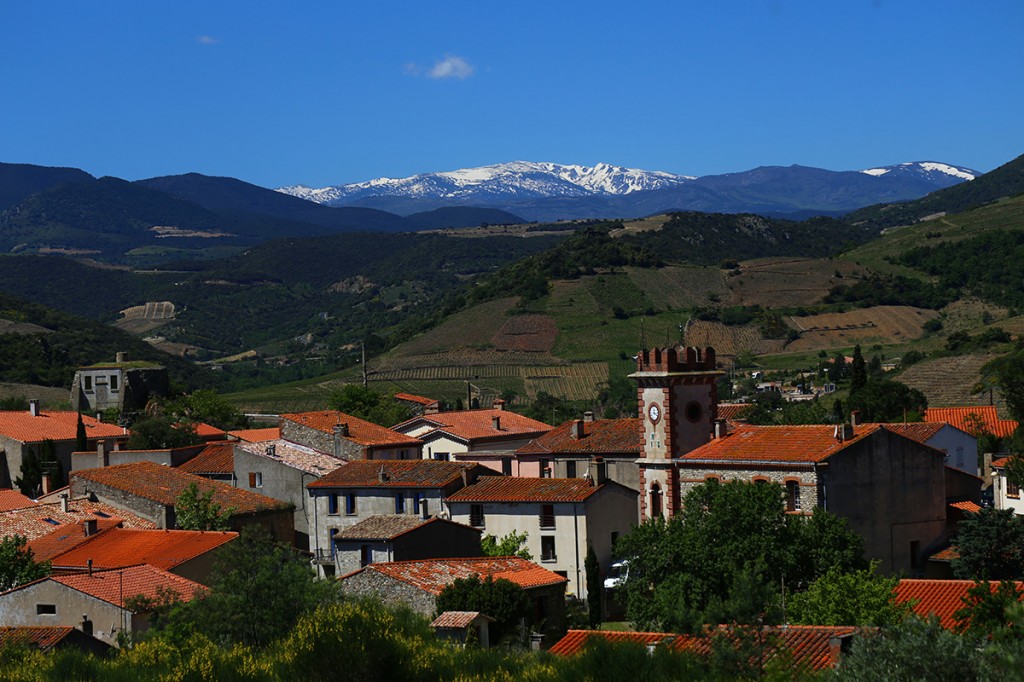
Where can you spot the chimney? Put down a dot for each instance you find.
(119, 357)
(381, 475)
(340, 431)
(855, 418)
(721, 428)
(88, 565)
(47, 484)
(498, 404)
(848, 431)
(598, 471)
(89, 527)
(64, 503)
(101, 454)
(588, 416)
(576, 429)
(465, 477)
(496, 422)
(423, 510)
(33, 408)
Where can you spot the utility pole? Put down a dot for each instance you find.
(362, 348)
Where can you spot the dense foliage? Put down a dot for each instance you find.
(876, 289)
(17, 565)
(991, 546)
(501, 599)
(849, 598)
(194, 510)
(362, 402)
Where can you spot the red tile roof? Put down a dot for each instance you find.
(921, 432)
(42, 637)
(732, 411)
(457, 619)
(115, 586)
(22, 426)
(967, 506)
(391, 526)
(216, 458)
(165, 484)
(509, 489)
(477, 425)
(603, 436)
(359, 430)
(13, 499)
(808, 645)
(66, 537)
(433, 575)
(120, 547)
(35, 522)
(208, 431)
(942, 598)
(409, 397)
(397, 473)
(257, 435)
(961, 418)
(948, 554)
(1000, 463)
(777, 444)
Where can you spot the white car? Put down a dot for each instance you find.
(617, 574)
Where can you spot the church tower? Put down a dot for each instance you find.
(678, 402)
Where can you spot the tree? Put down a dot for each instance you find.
(593, 573)
(858, 371)
(1008, 374)
(39, 460)
(17, 566)
(81, 440)
(989, 607)
(209, 407)
(885, 400)
(991, 546)
(258, 590)
(367, 404)
(856, 598)
(513, 544)
(500, 599)
(197, 511)
(161, 431)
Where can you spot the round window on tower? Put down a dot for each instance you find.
(693, 412)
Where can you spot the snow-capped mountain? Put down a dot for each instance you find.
(503, 181)
(931, 170)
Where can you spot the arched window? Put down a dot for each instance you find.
(655, 500)
(792, 496)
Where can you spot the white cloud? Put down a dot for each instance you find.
(451, 67)
(207, 40)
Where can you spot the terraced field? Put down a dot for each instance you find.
(881, 325)
(788, 282)
(729, 341)
(949, 381)
(531, 333)
(681, 286)
(475, 326)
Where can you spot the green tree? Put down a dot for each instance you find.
(40, 459)
(991, 546)
(17, 566)
(855, 598)
(885, 400)
(1007, 373)
(513, 544)
(500, 599)
(81, 440)
(194, 510)
(858, 371)
(161, 431)
(989, 607)
(208, 407)
(367, 404)
(593, 573)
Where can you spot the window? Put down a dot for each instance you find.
(403, 454)
(46, 609)
(1012, 489)
(332, 505)
(350, 504)
(545, 468)
(506, 466)
(365, 555)
(255, 479)
(547, 516)
(655, 501)
(87, 383)
(417, 502)
(547, 548)
(959, 457)
(442, 456)
(399, 503)
(570, 469)
(113, 382)
(915, 554)
(476, 515)
(792, 496)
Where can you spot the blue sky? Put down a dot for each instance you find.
(323, 93)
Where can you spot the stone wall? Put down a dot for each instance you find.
(370, 583)
(690, 478)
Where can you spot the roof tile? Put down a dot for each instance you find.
(359, 430)
(20, 425)
(812, 443)
(115, 586)
(390, 526)
(602, 436)
(457, 619)
(257, 435)
(42, 637)
(294, 455)
(433, 575)
(477, 425)
(13, 499)
(66, 537)
(120, 547)
(941, 598)
(37, 521)
(217, 458)
(509, 489)
(961, 418)
(396, 473)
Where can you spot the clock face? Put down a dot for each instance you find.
(654, 412)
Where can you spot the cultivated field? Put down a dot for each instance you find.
(58, 398)
(730, 341)
(681, 286)
(949, 381)
(474, 327)
(530, 332)
(878, 325)
(143, 318)
(14, 327)
(787, 282)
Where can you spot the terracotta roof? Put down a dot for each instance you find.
(777, 444)
(477, 425)
(948, 554)
(457, 619)
(164, 484)
(391, 526)
(603, 436)
(509, 489)
(967, 506)
(731, 411)
(35, 522)
(39, 636)
(960, 417)
(66, 537)
(215, 458)
(359, 430)
(397, 473)
(13, 499)
(942, 598)
(295, 456)
(208, 431)
(409, 397)
(115, 586)
(1000, 463)
(22, 426)
(120, 547)
(808, 645)
(257, 435)
(433, 575)
(921, 432)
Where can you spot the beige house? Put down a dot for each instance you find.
(561, 517)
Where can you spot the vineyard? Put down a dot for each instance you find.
(788, 282)
(881, 325)
(473, 327)
(531, 333)
(140, 319)
(729, 341)
(949, 381)
(681, 286)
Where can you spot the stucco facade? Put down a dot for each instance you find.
(48, 603)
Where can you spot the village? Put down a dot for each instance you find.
(398, 514)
